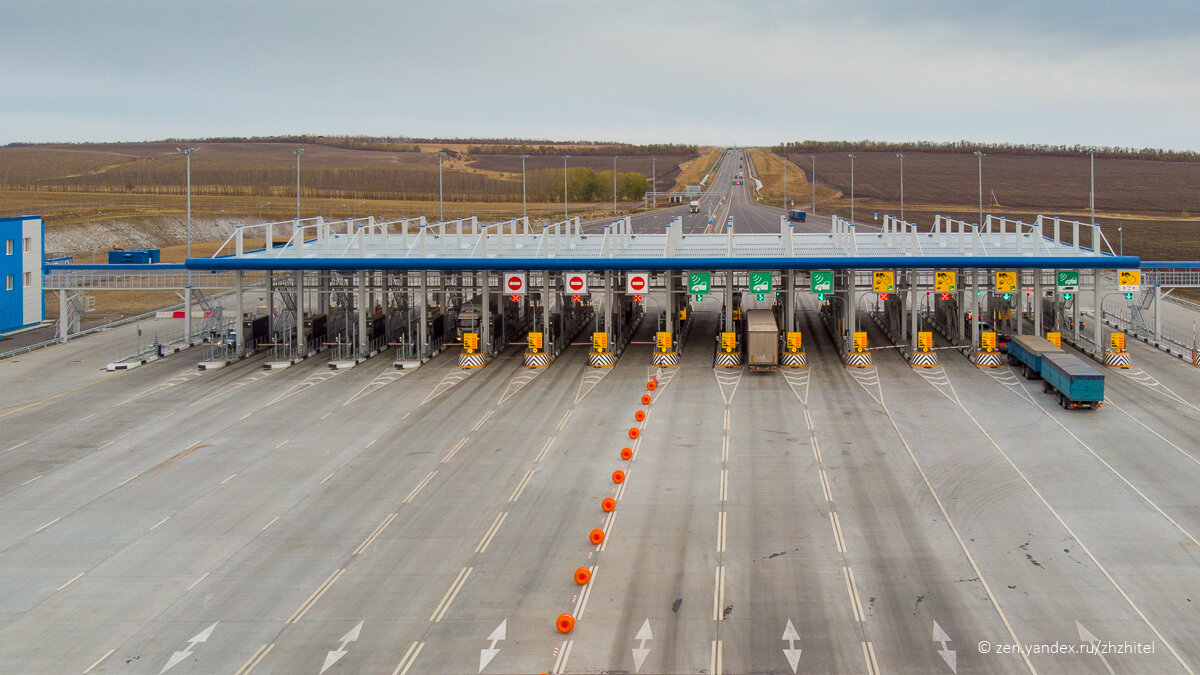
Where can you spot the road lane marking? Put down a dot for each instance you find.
(410, 657)
(159, 523)
(165, 416)
(99, 448)
(32, 479)
(868, 650)
(264, 527)
(128, 479)
(63, 393)
(491, 532)
(837, 532)
(16, 446)
(521, 486)
(715, 657)
(482, 420)
(724, 484)
(231, 476)
(281, 445)
(326, 415)
(451, 593)
(453, 451)
(371, 443)
(316, 595)
(374, 534)
(246, 416)
(419, 487)
(726, 419)
(99, 661)
(816, 449)
(825, 485)
(84, 419)
(197, 582)
(255, 659)
(718, 592)
(326, 479)
(581, 605)
(1143, 424)
(852, 590)
(721, 532)
(725, 449)
(560, 666)
(73, 580)
(563, 421)
(47, 525)
(545, 449)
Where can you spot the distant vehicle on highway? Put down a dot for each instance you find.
(798, 216)
(729, 221)
(694, 206)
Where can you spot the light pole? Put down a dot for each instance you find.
(979, 156)
(298, 152)
(1092, 195)
(653, 182)
(260, 208)
(187, 291)
(565, 158)
(1121, 239)
(814, 183)
(614, 185)
(901, 156)
(785, 183)
(524, 207)
(187, 154)
(851, 189)
(441, 205)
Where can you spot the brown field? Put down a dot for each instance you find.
(768, 166)
(693, 171)
(666, 168)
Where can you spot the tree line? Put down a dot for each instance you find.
(967, 147)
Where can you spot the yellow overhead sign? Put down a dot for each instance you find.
(600, 341)
(793, 341)
(945, 281)
(1006, 282)
(884, 282)
(535, 342)
(1129, 280)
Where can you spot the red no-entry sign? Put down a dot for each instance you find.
(577, 282)
(515, 283)
(636, 282)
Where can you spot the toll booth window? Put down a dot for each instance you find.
(8, 247)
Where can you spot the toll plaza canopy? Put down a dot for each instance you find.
(465, 244)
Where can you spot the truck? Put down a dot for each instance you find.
(694, 206)
(798, 216)
(1077, 384)
(762, 339)
(1026, 351)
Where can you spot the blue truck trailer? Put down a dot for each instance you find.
(1026, 351)
(1077, 384)
(798, 216)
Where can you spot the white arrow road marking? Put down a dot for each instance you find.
(333, 656)
(486, 655)
(948, 655)
(177, 657)
(1086, 636)
(641, 652)
(792, 654)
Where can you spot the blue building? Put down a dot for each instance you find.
(22, 303)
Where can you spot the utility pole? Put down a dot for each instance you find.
(653, 182)
(441, 204)
(187, 291)
(614, 185)
(851, 189)
(814, 183)
(524, 207)
(979, 156)
(901, 156)
(297, 152)
(565, 158)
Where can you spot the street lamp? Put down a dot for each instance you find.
(187, 154)
(441, 205)
(614, 185)
(260, 209)
(565, 158)
(1121, 239)
(851, 189)
(785, 183)
(524, 207)
(979, 156)
(653, 185)
(1092, 195)
(901, 156)
(814, 183)
(298, 152)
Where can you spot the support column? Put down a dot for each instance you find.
(975, 309)
(187, 313)
(546, 311)
(363, 309)
(1037, 303)
(912, 298)
(323, 299)
(485, 315)
(850, 319)
(789, 297)
(608, 306)
(423, 327)
(270, 286)
(239, 308)
(1098, 316)
(301, 345)
(1157, 313)
(1075, 319)
(728, 301)
(960, 326)
(64, 314)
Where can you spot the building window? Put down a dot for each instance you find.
(8, 247)
(28, 279)
(28, 244)
(8, 282)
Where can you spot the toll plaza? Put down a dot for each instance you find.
(360, 286)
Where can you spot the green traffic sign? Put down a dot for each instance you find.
(822, 281)
(760, 282)
(1068, 278)
(698, 282)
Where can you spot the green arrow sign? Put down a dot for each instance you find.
(698, 282)
(822, 281)
(760, 282)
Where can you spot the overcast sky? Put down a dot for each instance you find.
(752, 72)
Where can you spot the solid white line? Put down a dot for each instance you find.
(32, 479)
(197, 582)
(715, 657)
(159, 523)
(16, 446)
(721, 532)
(545, 449)
(453, 451)
(816, 449)
(440, 610)
(326, 415)
(724, 484)
(620, 491)
(99, 448)
(608, 525)
(419, 487)
(165, 416)
(281, 445)
(562, 649)
(587, 593)
(852, 590)
(566, 654)
(482, 420)
(228, 479)
(316, 595)
(491, 532)
(129, 479)
(255, 659)
(521, 486)
(88, 417)
(374, 534)
(370, 444)
(73, 580)
(825, 485)
(837, 532)
(264, 527)
(563, 421)
(326, 479)
(874, 663)
(47, 524)
(410, 657)
(246, 416)
(718, 592)
(726, 419)
(725, 449)
(99, 661)
(808, 419)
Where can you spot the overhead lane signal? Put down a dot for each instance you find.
(884, 281)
